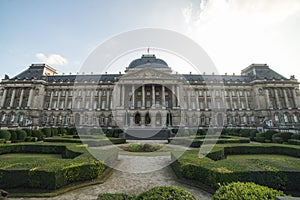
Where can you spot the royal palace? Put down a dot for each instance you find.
(149, 94)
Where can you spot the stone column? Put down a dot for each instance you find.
(107, 99)
(132, 97)
(287, 103)
(205, 100)
(50, 102)
(163, 97)
(58, 99)
(3, 98)
(277, 99)
(66, 99)
(173, 96)
(143, 97)
(92, 100)
(230, 98)
(83, 98)
(268, 99)
(247, 103)
(188, 93)
(178, 96)
(12, 98)
(197, 100)
(21, 98)
(296, 99)
(100, 98)
(239, 99)
(153, 96)
(123, 97)
(30, 97)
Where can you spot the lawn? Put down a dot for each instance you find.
(27, 160)
(258, 162)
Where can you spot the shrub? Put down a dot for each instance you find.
(108, 196)
(276, 138)
(201, 132)
(293, 141)
(38, 134)
(72, 131)
(13, 136)
(2, 141)
(5, 135)
(295, 136)
(142, 147)
(166, 192)
(28, 131)
(47, 132)
(54, 132)
(269, 134)
(245, 133)
(245, 191)
(285, 136)
(21, 135)
(61, 131)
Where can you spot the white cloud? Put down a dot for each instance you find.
(54, 59)
(237, 33)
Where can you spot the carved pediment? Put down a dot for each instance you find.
(146, 74)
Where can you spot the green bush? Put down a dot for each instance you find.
(286, 136)
(21, 135)
(142, 147)
(54, 131)
(293, 141)
(269, 134)
(47, 132)
(108, 196)
(295, 136)
(276, 138)
(166, 192)
(38, 134)
(245, 133)
(13, 136)
(260, 139)
(252, 134)
(5, 135)
(72, 131)
(245, 191)
(28, 131)
(61, 131)
(2, 141)
(201, 132)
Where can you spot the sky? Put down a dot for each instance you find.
(234, 33)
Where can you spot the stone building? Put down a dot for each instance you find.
(148, 94)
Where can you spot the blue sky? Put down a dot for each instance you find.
(234, 33)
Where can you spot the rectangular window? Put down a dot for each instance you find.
(217, 93)
(241, 93)
(95, 104)
(71, 93)
(192, 93)
(235, 106)
(78, 104)
(209, 104)
(69, 104)
(225, 93)
(200, 93)
(201, 105)
(148, 104)
(96, 93)
(139, 104)
(63, 93)
(88, 93)
(242, 104)
(139, 93)
(167, 104)
(233, 93)
(54, 104)
(87, 104)
(56, 93)
(103, 104)
(157, 104)
(79, 93)
(62, 104)
(104, 93)
(193, 105)
(157, 93)
(49, 93)
(208, 93)
(148, 93)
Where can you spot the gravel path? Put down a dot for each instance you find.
(130, 182)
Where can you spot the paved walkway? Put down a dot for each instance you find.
(130, 182)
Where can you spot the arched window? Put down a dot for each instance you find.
(137, 118)
(147, 119)
(158, 119)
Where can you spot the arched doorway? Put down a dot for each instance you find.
(169, 119)
(137, 119)
(147, 119)
(158, 119)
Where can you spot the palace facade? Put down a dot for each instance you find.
(148, 94)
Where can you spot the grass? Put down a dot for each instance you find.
(264, 162)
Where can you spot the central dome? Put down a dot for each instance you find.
(148, 60)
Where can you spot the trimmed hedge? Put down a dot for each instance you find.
(294, 141)
(245, 191)
(90, 142)
(6, 135)
(209, 172)
(78, 165)
(108, 196)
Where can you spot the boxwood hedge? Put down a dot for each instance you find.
(209, 172)
(78, 165)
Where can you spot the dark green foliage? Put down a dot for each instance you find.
(5, 134)
(210, 172)
(38, 134)
(28, 131)
(166, 192)
(2, 141)
(54, 131)
(245, 133)
(269, 134)
(285, 136)
(293, 141)
(252, 134)
(13, 136)
(61, 131)
(47, 132)
(295, 136)
(21, 135)
(276, 138)
(245, 191)
(201, 132)
(175, 130)
(78, 166)
(108, 196)
(72, 131)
